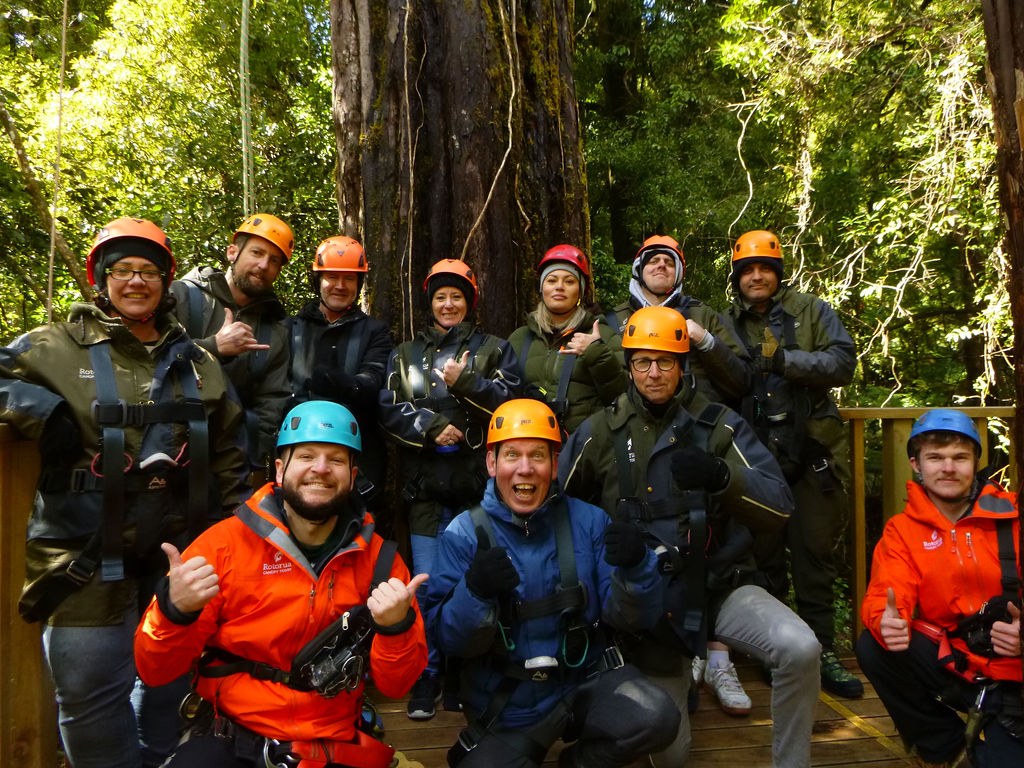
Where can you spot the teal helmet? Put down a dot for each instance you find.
(320, 421)
(944, 420)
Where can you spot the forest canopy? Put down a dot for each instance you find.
(861, 132)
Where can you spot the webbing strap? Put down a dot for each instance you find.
(303, 349)
(260, 358)
(195, 309)
(112, 561)
(199, 455)
(354, 349)
(1007, 558)
(561, 403)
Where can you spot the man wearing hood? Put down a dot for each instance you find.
(718, 361)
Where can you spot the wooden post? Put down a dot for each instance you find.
(28, 717)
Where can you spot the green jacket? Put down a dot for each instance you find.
(722, 372)
(52, 365)
(260, 377)
(817, 355)
(598, 375)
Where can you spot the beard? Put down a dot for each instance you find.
(338, 506)
(248, 287)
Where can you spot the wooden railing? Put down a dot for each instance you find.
(28, 731)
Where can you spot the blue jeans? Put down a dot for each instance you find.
(109, 719)
(424, 555)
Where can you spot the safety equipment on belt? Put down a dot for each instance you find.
(659, 244)
(269, 227)
(656, 328)
(760, 245)
(338, 254)
(333, 661)
(320, 421)
(523, 418)
(452, 273)
(944, 420)
(128, 237)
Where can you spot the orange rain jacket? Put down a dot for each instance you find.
(942, 572)
(269, 606)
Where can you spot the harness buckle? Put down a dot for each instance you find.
(466, 740)
(282, 757)
(76, 482)
(613, 658)
(820, 464)
(80, 573)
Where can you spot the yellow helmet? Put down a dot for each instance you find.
(270, 228)
(656, 328)
(523, 418)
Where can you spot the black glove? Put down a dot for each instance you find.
(491, 574)
(774, 364)
(61, 441)
(334, 383)
(693, 469)
(623, 544)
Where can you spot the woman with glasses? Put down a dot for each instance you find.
(140, 443)
(568, 357)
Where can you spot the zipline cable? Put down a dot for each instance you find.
(248, 192)
(56, 163)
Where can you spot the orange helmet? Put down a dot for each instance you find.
(340, 254)
(656, 328)
(270, 228)
(659, 244)
(760, 245)
(455, 273)
(523, 418)
(156, 247)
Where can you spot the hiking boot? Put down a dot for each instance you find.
(423, 697)
(727, 689)
(837, 679)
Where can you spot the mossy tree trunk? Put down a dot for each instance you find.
(1004, 33)
(468, 146)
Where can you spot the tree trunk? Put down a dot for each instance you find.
(469, 147)
(1004, 33)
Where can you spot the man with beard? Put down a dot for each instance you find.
(236, 316)
(287, 605)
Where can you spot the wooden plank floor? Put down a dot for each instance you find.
(848, 733)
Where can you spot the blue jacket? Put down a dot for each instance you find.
(465, 625)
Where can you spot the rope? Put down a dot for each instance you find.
(56, 163)
(248, 193)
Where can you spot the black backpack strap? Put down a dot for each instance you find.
(194, 324)
(1007, 558)
(385, 559)
(302, 349)
(354, 348)
(113, 463)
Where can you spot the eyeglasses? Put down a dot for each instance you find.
(147, 275)
(643, 364)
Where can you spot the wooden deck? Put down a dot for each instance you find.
(847, 733)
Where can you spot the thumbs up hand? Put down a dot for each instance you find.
(193, 582)
(894, 629)
(390, 600)
(580, 341)
(1006, 635)
(235, 337)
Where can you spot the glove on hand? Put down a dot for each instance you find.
(693, 469)
(774, 364)
(491, 574)
(333, 382)
(623, 544)
(61, 441)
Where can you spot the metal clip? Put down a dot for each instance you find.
(285, 760)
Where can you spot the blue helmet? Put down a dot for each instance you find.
(320, 421)
(944, 420)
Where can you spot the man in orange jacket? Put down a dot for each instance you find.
(941, 611)
(256, 597)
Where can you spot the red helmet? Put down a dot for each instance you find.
(567, 253)
(140, 229)
(455, 273)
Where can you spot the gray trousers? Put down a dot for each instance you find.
(755, 623)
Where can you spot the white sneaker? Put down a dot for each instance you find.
(727, 689)
(697, 670)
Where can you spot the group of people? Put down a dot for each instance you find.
(601, 509)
